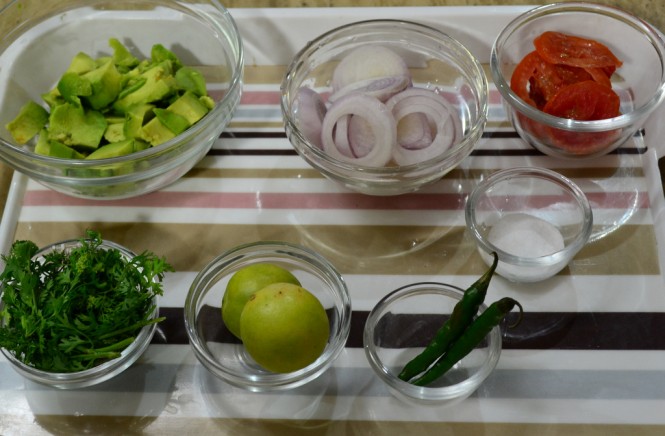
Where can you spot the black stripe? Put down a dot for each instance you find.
(480, 152)
(537, 331)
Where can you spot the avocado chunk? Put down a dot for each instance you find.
(106, 84)
(155, 133)
(159, 84)
(159, 53)
(53, 98)
(191, 79)
(115, 149)
(189, 107)
(72, 86)
(135, 118)
(30, 120)
(81, 64)
(173, 121)
(76, 127)
(115, 132)
(122, 57)
(55, 148)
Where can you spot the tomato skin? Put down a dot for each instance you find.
(560, 48)
(584, 101)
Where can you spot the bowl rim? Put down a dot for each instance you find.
(211, 274)
(179, 141)
(531, 172)
(621, 121)
(103, 371)
(427, 393)
(462, 146)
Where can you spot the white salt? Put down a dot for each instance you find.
(526, 236)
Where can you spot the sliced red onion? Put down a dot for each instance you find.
(378, 118)
(414, 131)
(341, 136)
(361, 136)
(382, 87)
(309, 110)
(437, 110)
(368, 62)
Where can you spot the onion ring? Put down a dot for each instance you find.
(437, 110)
(309, 110)
(376, 115)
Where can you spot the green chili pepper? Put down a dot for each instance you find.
(463, 313)
(471, 337)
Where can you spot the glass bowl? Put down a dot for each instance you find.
(224, 355)
(535, 219)
(99, 373)
(37, 50)
(639, 81)
(400, 326)
(433, 61)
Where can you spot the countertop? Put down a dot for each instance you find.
(651, 10)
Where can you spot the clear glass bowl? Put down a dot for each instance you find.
(222, 354)
(400, 326)
(639, 82)
(104, 371)
(461, 79)
(37, 51)
(521, 200)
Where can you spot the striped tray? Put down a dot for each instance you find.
(590, 350)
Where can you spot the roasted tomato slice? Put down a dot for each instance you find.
(560, 48)
(534, 80)
(584, 101)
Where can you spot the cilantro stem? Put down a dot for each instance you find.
(120, 345)
(134, 326)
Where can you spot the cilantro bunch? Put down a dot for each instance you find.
(73, 310)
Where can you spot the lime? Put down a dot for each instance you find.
(243, 284)
(284, 327)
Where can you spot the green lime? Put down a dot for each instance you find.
(243, 284)
(284, 327)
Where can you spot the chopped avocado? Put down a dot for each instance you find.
(207, 101)
(81, 64)
(140, 145)
(55, 148)
(132, 85)
(114, 132)
(189, 107)
(30, 120)
(115, 149)
(115, 100)
(106, 82)
(72, 86)
(159, 84)
(53, 98)
(121, 56)
(135, 118)
(159, 53)
(190, 79)
(156, 133)
(76, 127)
(173, 121)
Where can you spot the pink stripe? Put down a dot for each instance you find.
(340, 201)
(273, 97)
(241, 200)
(260, 97)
